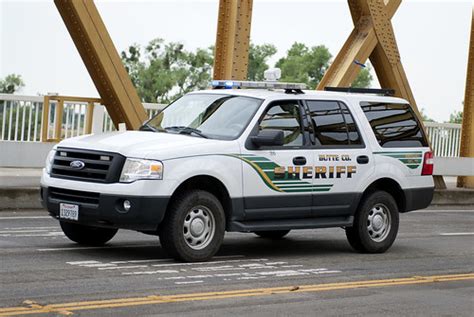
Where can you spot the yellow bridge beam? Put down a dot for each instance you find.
(102, 61)
(467, 131)
(232, 40)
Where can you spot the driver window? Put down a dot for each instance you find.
(284, 116)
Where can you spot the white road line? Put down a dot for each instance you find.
(122, 267)
(46, 234)
(443, 210)
(25, 231)
(206, 263)
(189, 282)
(96, 248)
(25, 217)
(83, 262)
(28, 228)
(457, 234)
(171, 260)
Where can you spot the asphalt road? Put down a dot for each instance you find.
(429, 271)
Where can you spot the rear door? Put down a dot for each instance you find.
(272, 175)
(342, 161)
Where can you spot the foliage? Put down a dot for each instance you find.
(258, 57)
(308, 65)
(363, 79)
(165, 71)
(11, 83)
(455, 117)
(425, 117)
(304, 65)
(162, 71)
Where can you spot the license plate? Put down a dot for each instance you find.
(68, 211)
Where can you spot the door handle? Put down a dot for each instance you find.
(362, 159)
(299, 160)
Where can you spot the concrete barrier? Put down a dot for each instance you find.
(28, 198)
(24, 154)
(19, 198)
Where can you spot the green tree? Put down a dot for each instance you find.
(162, 72)
(455, 117)
(363, 79)
(308, 65)
(258, 57)
(11, 83)
(304, 65)
(425, 117)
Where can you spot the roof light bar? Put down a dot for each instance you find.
(233, 84)
(384, 92)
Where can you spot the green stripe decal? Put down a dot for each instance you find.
(411, 159)
(265, 169)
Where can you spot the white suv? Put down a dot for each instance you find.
(265, 161)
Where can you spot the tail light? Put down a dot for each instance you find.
(427, 164)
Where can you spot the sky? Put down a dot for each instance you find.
(432, 37)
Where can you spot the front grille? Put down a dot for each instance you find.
(96, 166)
(73, 196)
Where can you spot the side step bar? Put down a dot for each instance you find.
(289, 224)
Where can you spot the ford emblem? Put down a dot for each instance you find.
(78, 165)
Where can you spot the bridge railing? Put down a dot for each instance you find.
(22, 119)
(445, 138)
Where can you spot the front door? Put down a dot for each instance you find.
(274, 182)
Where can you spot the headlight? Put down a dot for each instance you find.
(135, 169)
(49, 161)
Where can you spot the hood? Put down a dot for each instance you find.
(141, 144)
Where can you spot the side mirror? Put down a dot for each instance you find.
(268, 138)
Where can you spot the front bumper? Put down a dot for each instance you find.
(106, 210)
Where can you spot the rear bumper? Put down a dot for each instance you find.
(418, 198)
(105, 210)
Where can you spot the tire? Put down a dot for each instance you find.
(274, 235)
(375, 224)
(194, 227)
(87, 235)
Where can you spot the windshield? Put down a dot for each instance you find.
(206, 115)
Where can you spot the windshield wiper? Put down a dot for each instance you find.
(148, 127)
(187, 130)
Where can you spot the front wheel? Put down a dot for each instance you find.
(87, 235)
(194, 226)
(375, 224)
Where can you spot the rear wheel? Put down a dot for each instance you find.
(274, 235)
(87, 235)
(375, 224)
(194, 226)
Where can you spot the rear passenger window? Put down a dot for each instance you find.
(333, 123)
(394, 124)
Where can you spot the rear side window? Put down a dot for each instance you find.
(333, 124)
(394, 124)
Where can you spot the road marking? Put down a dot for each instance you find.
(28, 228)
(457, 234)
(189, 282)
(241, 293)
(26, 217)
(97, 248)
(122, 267)
(442, 210)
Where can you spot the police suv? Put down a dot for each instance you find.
(260, 157)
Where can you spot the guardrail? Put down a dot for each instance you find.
(445, 138)
(22, 119)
